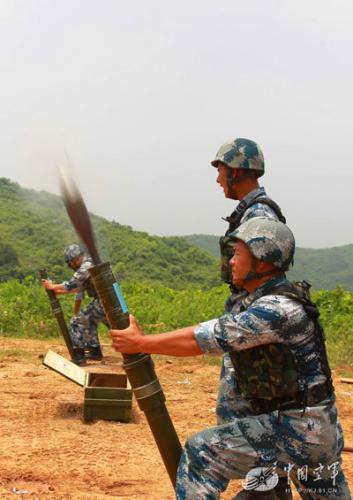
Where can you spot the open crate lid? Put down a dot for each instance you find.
(65, 367)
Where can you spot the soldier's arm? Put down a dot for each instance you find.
(58, 288)
(77, 306)
(262, 323)
(180, 342)
(74, 285)
(259, 325)
(78, 301)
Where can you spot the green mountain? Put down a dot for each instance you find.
(34, 230)
(325, 268)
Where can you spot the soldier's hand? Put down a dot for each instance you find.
(129, 340)
(48, 284)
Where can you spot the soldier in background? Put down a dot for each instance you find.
(277, 349)
(84, 325)
(240, 163)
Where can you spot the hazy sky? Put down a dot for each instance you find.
(141, 95)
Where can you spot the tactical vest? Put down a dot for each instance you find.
(270, 376)
(234, 220)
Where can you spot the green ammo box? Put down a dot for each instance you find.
(107, 396)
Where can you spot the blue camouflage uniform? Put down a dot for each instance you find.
(255, 210)
(84, 326)
(304, 445)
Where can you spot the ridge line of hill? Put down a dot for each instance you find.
(34, 230)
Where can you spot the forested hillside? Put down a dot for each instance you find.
(325, 268)
(34, 229)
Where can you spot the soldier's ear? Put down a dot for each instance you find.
(262, 266)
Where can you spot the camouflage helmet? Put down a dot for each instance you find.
(241, 153)
(71, 252)
(268, 240)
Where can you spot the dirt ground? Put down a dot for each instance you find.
(47, 451)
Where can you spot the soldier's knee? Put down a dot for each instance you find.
(191, 443)
(193, 447)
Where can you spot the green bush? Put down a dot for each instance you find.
(25, 311)
(336, 314)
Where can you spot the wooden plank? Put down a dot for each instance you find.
(346, 380)
(65, 367)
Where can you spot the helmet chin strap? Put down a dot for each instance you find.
(254, 275)
(231, 180)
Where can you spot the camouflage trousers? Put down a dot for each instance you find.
(303, 447)
(84, 326)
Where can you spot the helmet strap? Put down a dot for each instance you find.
(231, 180)
(254, 275)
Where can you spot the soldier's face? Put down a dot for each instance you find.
(222, 180)
(240, 263)
(76, 262)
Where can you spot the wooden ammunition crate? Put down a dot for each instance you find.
(107, 396)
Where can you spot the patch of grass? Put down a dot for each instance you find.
(340, 352)
(14, 353)
(212, 360)
(344, 371)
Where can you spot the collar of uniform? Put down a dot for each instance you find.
(255, 193)
(259, 292)
(87, 261)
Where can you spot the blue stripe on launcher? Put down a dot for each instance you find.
(120, 297)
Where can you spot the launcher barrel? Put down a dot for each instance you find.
(58, 313)
(140, 371)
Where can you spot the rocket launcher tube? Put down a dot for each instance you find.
(139, 367)
(58, 313)
(140, 371)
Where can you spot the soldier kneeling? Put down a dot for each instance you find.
(275, 364)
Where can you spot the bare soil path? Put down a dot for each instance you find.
(48, 452)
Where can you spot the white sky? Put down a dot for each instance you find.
(141, 95)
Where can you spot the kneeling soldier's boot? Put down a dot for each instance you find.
(95, 353)
(283, 490)
(79, 357)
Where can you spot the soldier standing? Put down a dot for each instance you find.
(277, 349)
(240, 163)
(84, 324)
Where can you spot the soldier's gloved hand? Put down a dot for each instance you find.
(129, 340)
